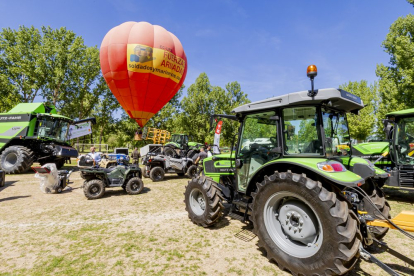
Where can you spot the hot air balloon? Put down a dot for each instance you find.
(144, 65)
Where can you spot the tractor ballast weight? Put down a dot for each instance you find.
(307, 204)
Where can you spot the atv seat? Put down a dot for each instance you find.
(108, 170)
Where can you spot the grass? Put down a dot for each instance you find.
(147, 234)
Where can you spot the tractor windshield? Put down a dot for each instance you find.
(404, 141)
(301, 133)
(52, 128)
(179, 139)
(336, 130)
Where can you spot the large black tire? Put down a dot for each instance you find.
(378, 198)
(303, 227)
(203, 201)
(16, 159)
(192, 171)
(192, 153)
(169, 152)
(94, 189)
(157, 174)
(134, 186)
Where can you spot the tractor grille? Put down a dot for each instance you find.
(407, 176)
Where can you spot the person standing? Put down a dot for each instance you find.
(135, 157)
(201, 156)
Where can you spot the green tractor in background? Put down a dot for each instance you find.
(34, 132)
(307, 201)
(179, 146)
(395, 154)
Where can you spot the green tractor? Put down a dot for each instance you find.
(307, 201)
(179, 144)
(395, 154)
(33, 132)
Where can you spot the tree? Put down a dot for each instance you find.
(361, 126)
(396, 84)
(21, 63)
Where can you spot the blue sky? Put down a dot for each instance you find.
(264, 45)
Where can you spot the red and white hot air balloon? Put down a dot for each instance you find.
(144, 65)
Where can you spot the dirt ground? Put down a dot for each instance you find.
(146, 234)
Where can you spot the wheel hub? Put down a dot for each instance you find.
(298, 221)
(10, 160)
(197, 202)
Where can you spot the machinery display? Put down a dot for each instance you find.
(314, 209)
(395, 154)
(98, 179)
(34, 132)
(179, 143)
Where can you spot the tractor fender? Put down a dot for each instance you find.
(341, 179)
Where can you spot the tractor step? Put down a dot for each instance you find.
(404, 220)
(245, 235)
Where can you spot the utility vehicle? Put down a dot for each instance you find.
(156, 165)
(34, 132)
(125, 176)
(395, 154)
(307, 201)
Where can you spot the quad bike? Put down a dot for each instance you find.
(107, 161)
(98, 179)
(314, 210)
(157, 165)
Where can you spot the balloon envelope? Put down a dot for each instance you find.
(144, 65)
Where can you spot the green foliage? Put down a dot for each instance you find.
(361, 126)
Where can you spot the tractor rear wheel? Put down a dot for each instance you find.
(94, 189)
(303, 227)
(157, 174)
(16, 159)
(203, 201)
(134, 186)
(169, 151)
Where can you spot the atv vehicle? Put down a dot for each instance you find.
(157, 165)
(395, 154)
(97, 179)
(179, 143)
(107, 160)
(306, 201)
(34, 132)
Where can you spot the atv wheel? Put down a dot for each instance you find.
(203, 201)
(378, 198)
(157, 174)
(180, 174)
(169, 152)
(134, 186)
(16, 159)
(303, 227)
(94, 189)
(192, 171)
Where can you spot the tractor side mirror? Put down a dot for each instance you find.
(387, 129)
(239, 163)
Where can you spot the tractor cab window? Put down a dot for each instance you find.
(404, 141)
(258, 139)
(301, 131)
(53, 128)
(336, 131)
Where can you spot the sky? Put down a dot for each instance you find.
(266, 46)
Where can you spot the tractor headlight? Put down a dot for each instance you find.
(331, 166)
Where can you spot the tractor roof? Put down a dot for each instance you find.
(405, 112)
(340, 99)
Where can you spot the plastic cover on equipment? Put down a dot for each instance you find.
(48, 181)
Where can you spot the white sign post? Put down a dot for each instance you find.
(79, 130)
(216, 146)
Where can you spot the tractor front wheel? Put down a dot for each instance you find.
(16, 159)
(203, 201)
(303, 227)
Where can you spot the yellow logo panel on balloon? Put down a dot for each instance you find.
(145, 59)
